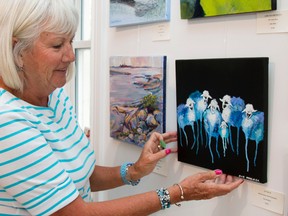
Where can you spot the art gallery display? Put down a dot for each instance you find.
(208, 8)
(134, 12)
(137, 97)
(222, 114)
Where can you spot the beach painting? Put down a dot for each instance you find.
(208, 8)
(133, 12)
(222, 115)
(137, 97)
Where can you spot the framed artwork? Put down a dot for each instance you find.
(207, 8)
(222, 112)
(133, 12)
(137, 97)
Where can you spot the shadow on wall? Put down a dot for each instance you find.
(234, 203)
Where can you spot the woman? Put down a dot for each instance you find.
(47, 163)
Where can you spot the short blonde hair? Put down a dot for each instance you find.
(25, 20)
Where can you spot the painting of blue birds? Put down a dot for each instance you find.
(222, 115)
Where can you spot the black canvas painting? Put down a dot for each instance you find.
(222, 113)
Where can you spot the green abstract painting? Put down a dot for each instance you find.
(206, 8)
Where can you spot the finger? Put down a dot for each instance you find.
(235, 184)
(160, 154)
(170, 136)
(205, 176)
(237, 180)
(229, 186)
(174, 150)
(154, 142)
(229, 179)
(163, 153)
(222, 179)
(171, 139)
(155, 137)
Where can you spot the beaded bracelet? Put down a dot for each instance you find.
(164, 197)
(123, 172)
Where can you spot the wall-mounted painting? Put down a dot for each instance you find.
(137, 97)
(207, 8)
(222, 112)
(133, 12)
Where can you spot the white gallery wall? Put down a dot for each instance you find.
(218, 37)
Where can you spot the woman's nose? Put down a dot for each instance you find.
(69, 55)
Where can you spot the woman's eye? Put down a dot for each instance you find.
(57, 46)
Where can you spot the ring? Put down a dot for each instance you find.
(159, 147)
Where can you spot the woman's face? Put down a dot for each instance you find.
(45, 64)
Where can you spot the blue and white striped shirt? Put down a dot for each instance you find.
(45, 158)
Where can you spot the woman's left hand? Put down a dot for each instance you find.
(152, 153)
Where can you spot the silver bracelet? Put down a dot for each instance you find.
(181, 196)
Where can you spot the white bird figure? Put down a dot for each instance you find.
(253, 128)
(201, 104)
(224, 134)
(212, 121)
(186, 117)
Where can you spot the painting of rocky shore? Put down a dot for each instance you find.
(137, 97)
(132, 12)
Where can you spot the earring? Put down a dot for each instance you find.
(20, 69)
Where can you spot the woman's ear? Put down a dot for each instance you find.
(17, 57)
(14, 41)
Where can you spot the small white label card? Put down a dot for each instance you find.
(161, 167)
(267, 199)
(272, 22)
(162, 32)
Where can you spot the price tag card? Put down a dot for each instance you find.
(161, 167)
(162, 32)
(267, 199)
(272, 22)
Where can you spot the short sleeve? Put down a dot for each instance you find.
(30, 173)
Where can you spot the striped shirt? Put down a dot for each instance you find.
(45, 158)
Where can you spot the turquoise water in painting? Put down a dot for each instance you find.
(129, 85)
(123, 14)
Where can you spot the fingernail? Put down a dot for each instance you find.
(218, 172)
(167, 151)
